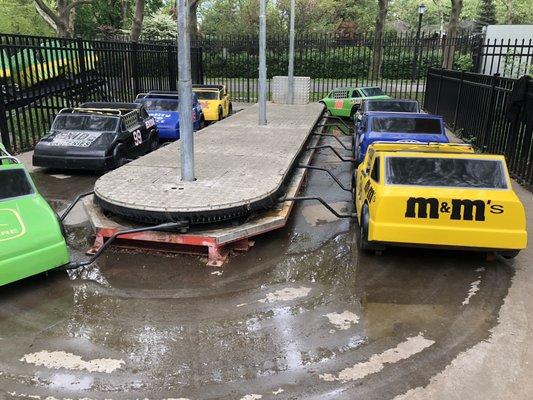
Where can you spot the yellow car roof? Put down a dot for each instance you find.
(205, 90)
(422, 147)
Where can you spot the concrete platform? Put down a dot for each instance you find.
(240, 168)
(216, 242)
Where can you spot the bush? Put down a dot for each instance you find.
(343, 63)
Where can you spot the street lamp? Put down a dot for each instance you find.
(421, 11)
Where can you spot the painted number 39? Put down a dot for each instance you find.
(137, 137)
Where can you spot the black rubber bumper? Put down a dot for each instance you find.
(73, 162)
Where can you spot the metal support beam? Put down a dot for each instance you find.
(334, 150)
(339, 127)
(334, 137)
(328, 171)
(262, 62)
(185, 93)
(290, 75)
(322, 201)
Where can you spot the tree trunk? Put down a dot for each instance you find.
(137, 23)
(123, 12)
(193, 18)
(509, 16)
(377, 47)
(451, 33)
(62, 20)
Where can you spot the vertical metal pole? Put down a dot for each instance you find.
(185, 93)
(262, 62)
(290, 75)
(414, 69)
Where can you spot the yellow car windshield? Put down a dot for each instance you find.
(207, 95)
(446, 172)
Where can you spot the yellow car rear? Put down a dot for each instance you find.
(443, 196)
(214, 100)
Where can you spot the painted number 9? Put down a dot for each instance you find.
(137, 137)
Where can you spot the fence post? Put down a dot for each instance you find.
(172, 73)
(135, 68)
(83, 69)
(438, 90)
(4, 133)
(458, 99)
(488, 118)
(477, 53)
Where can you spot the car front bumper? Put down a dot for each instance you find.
(73, 162)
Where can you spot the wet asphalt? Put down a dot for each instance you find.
(302, 315)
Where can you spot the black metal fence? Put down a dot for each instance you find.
(474, 106)
(333, 60)
(39, 76)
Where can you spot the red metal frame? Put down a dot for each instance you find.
(175, 243)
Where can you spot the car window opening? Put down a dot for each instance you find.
(406, 125)
(161, 104)
(393, 106)
(446, 172)
(373, 92)
(375, 170)
(86, 123)
(207, 95)
(14, 183)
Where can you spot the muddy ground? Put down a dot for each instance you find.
(302, 315)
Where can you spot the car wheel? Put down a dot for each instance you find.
(509, 254)
(220, 114)
(364, 245)
(357, 154)
(118, 155)
(352, 114)
(230, 109)
(154, 142)
(202, 123)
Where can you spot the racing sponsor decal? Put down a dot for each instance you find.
(370, 193)
(457, 209)
(150, 123)
(137, 137)
(338, 103)
(75, 139)
(11, 225)
(161, 117)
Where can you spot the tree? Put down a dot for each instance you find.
(160, 25)
(61, 20)
(21, 17)
(451, 32)
(137, 23)
(193, 18)
(377, 47)
(486, 15)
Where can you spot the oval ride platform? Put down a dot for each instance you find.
(275, 150)
(240, 168)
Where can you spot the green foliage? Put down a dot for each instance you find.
(159, 26)
(486, 15)
(21, 17)
(240, 17)
(343, 63)
(463, 62)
